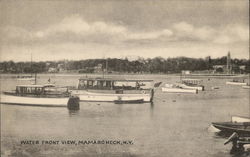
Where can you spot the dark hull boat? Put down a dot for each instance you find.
(241, 128)
(136, 101)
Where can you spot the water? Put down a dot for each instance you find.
(174, 125)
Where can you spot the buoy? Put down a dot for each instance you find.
(73, 103)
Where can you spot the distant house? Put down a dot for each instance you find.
(242, 67)
(98, 68)
(186, 72)
(220, 68)
(52, 70)
(60, 67)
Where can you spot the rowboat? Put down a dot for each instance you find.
(39, 95)
(175, 88)
(240, 125)
(242, 128)
(112, 90)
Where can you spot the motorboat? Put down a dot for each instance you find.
(192, 84)
(176, 88)
(39, 95)
(111, 90)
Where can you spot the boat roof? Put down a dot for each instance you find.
(119, 79)
(31, 86)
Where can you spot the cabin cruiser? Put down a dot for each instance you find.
(115, 90)
(39, 95)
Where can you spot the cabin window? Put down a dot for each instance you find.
(90, 83)
(95, 83)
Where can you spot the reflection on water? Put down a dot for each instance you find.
(73, 112)
(174, 125)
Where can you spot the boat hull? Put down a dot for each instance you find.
(34, 101)
(200, 88)
(106, 97)
(230, 127)
(178, 90)
(236, 83)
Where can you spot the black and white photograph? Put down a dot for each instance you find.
(124, 78)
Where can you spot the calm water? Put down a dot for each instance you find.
(175, 125)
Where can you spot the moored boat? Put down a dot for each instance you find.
(25, 78)
(236, 82)
(175, 88)
(192, 84)
(111, 90)
(242, 128)
(39, 95)
(238, 124)
(246, 87)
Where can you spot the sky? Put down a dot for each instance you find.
(86, 29)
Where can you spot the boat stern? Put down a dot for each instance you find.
(73, 103)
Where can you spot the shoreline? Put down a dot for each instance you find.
(132, 74)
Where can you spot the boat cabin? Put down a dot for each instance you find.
(192, 81)
(114, 84)
(39, 90)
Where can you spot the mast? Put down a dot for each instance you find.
(30, 64)
(106, 66)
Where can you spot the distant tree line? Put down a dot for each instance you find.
(140, 65)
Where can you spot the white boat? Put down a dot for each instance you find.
(239, 119)
(112, 90)
(173, 88)
(185, 86)
(39, 95)
(192, 84)
(246, 87)
(236, 82)
(33, 101)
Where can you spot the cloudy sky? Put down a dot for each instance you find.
(82, 29)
